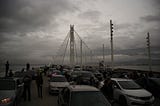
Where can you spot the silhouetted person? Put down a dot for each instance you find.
(27, 87)
(107, 88)
(135, 75)
(7, 69)
(10, 73)
(45, 70)
(39, 82)
(22, 70)
(27, 66)
(150, 74)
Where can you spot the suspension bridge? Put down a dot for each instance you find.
(74, 51)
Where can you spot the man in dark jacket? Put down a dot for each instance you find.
(27, 87)
(39, 82)
(7, 68)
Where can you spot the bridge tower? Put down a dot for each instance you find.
(72, 41)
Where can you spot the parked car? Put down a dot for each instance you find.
(151, 84)
(81, 95)
(56, 83)
(129, 93)
(11, 91)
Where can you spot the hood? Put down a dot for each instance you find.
(7, 94)
(59, 84)
(138, 93)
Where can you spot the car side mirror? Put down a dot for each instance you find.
(114, 86)
(20, 85)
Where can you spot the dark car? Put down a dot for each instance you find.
(84, 78)
(11, 91)
(81, 95)
(151, 84)
(98, 75)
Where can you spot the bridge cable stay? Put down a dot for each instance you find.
(61, 48)
(65, 51)
(76, 53)
(93, 53)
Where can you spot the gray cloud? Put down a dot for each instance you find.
(91, 15)
(27, 15)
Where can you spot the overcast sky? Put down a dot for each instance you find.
(32, 30)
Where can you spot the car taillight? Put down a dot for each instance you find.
(5, 101)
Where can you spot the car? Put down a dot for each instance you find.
(11, 91)
(77, 68)
(84, 78)
(81, 95)
(151, 84)
(98, 75)
(53, 72)
(56, 83)
(128, 93)
(49, 72)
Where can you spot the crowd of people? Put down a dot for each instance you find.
(27, 80)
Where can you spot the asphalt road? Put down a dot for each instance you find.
(49, 100)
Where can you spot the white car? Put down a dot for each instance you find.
(129, 93)
(57, 83)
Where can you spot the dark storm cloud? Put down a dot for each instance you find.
(24, 15)
(152, 18)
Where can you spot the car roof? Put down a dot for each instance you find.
(121, 79)
(77, 88)
(58, 76)
(81, 72)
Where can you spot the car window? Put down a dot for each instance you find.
(129, 85)
(95, 98)
(7, 84)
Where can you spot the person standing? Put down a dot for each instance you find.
(7, 69)
(39, 82)
(27, 66)
(27, 87)
(10, 73)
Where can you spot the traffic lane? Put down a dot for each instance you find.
(47, 100)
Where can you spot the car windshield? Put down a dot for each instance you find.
(156, 80)
(88, 99)
(129, 85)
(58, 79)
(7, 84)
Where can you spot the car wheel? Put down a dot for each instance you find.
(122, 101)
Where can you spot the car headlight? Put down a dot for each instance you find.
(135, 97)
(5, 100)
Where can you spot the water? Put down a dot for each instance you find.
(143, 67)
(16, 67)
